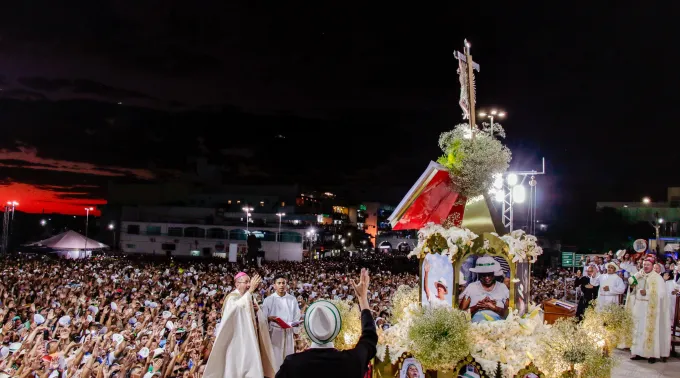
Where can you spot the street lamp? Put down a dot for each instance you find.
(493, 113)
(248, 211)
(87, 223)
(6, 224)
(646, 200)
(278, 237)
(311, 234)
(112, 228)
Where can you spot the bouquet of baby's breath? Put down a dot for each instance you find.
(567, 346)
(613, 324)
(438, 337)
(402, 298)
(473, 162)
(350, 330)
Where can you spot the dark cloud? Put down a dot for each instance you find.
(80, 86)
(22, 94)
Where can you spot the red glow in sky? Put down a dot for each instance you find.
(35, 200)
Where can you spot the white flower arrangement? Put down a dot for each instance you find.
(512, 341)
(474, 162)
(396, 337)
(522, 247)
(457, 240)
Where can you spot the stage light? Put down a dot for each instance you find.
(518, 193)
(512, 179)
(498, 181)
(499, 196)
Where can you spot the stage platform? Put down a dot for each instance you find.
(635, 369)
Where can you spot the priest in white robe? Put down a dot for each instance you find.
(611, 287)
(283, 307)
(242, 348)
(651, 333)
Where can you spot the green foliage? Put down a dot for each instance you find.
(438, 338)
(472, 162)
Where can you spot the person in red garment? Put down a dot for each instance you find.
(322, 323)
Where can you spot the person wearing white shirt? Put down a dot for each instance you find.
(441, 288)
(611, 286)
(487, 299)
(285, 307)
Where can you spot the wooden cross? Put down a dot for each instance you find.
(466, 57)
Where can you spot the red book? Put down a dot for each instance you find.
(281, 323)
(285, 325)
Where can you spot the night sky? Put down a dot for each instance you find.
(111, 90)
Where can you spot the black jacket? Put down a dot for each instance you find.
(332, 363)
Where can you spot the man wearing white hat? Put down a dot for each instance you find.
(486, 298)
(440, 286)
(611, 287)
(322, 324)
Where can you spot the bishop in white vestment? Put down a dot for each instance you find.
(611, 287)
(285, 307)
(242, 348)
(651, 333)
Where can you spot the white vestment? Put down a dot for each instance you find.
(288, 310)
(616, 288)
(651, 332)
(670, 286)
(242, 348)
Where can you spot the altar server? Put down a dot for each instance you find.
(282, 307)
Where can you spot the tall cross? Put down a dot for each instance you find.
(469, 82)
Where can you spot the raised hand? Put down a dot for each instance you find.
(361, 289)
(254, 283)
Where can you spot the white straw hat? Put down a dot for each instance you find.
(485, 264)
(322, 322)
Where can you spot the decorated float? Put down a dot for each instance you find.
(471, 315)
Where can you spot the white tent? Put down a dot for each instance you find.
(68, 241)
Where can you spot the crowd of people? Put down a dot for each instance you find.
(136, 317)
(132, 317)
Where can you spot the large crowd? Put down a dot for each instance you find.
(135, 317)
(131, 317)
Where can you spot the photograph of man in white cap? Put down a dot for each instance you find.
(322, 324)
(437, 275)
(487, 299)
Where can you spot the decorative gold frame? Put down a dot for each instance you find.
(531, 368)
(469, 360)
(496, 247)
